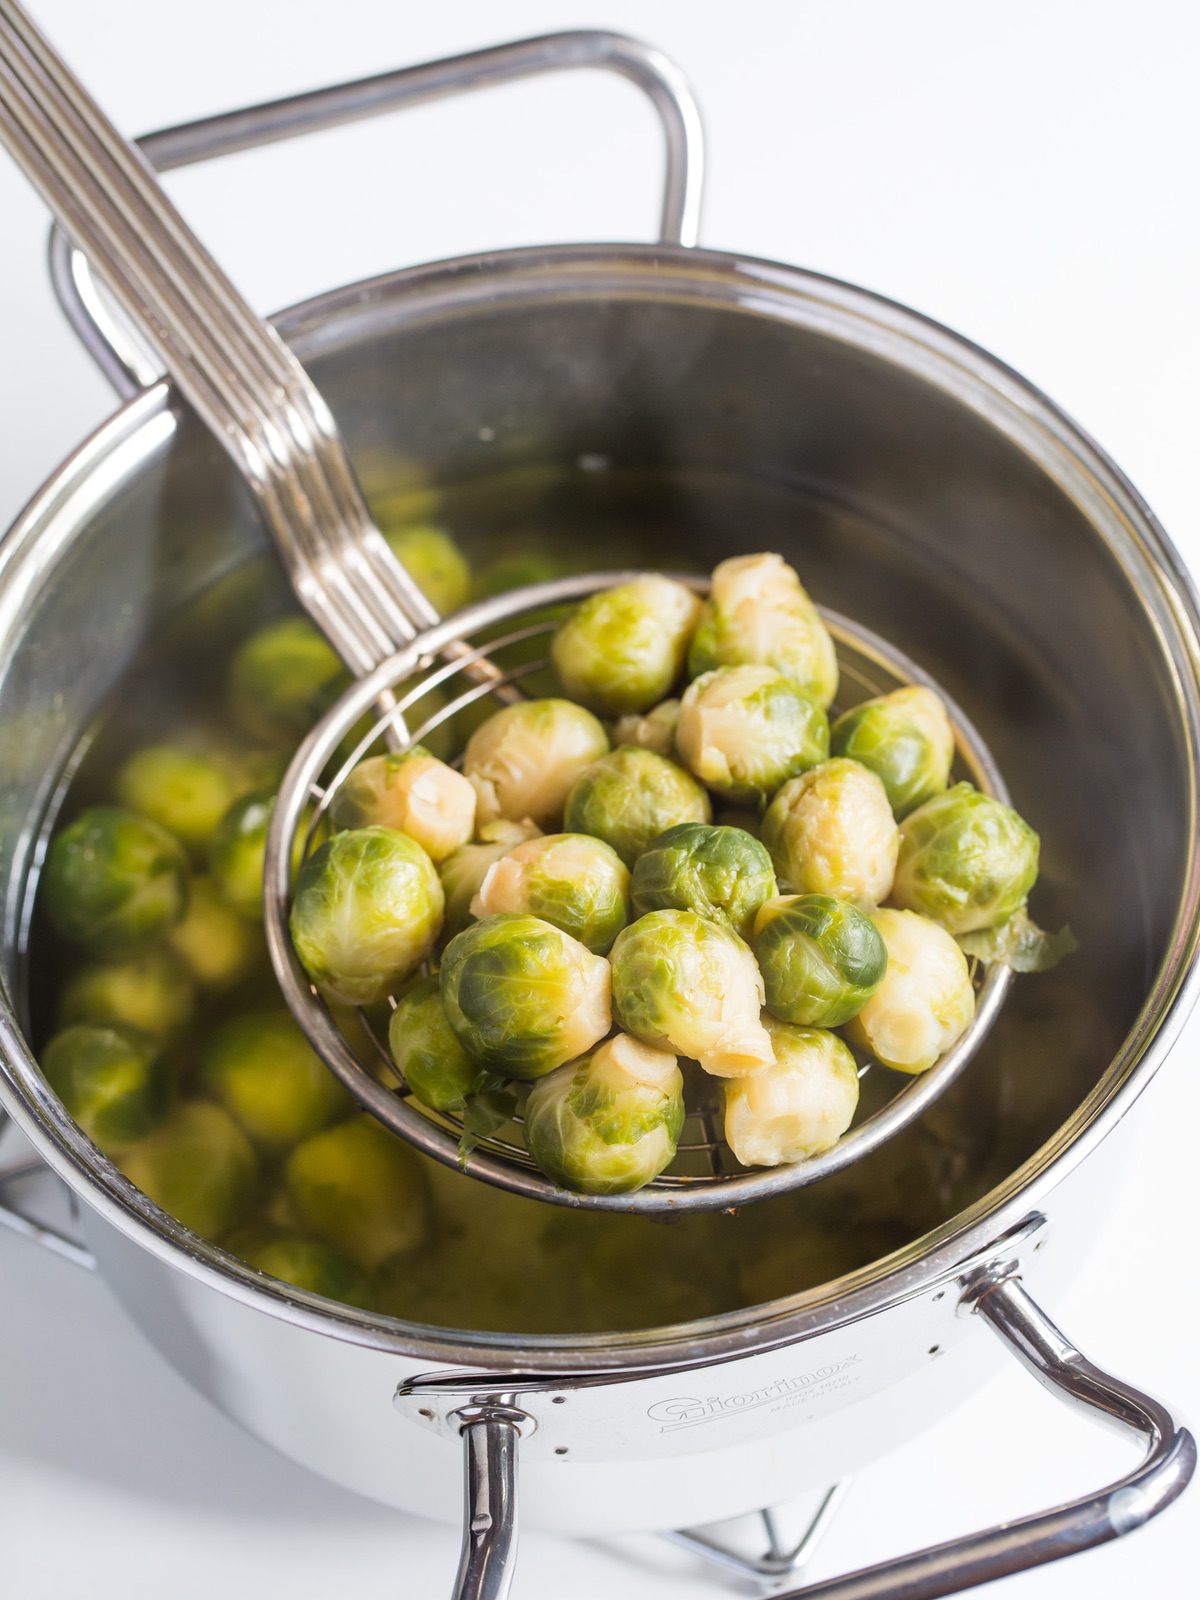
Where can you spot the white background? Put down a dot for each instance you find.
(1024, 170)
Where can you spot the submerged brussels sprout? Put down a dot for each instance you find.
(654, 731)
(719, 872)
(360, 1189)
(305, 1263)
(608, 1124)
(111, 1080)
(797, 1108)
(281, 679)
(831, 831)
(906, 740)
(198, 1166)
(966, 860)
(427, 1053)
(925, 1002)
(113, 880)
(367, 909)
(462, 873)
(414, 792)
(629, 797)
(237, 851)
(821, 959)
(436, 564)
(264, 1072)
(185, 791)
(686, 984)
(745, 730)
(522, 996)
(218, 946)
(758, 614)
(578, 883)
(623, 649)
(525, 758)
(151, 993)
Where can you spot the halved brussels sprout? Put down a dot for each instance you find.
(906, 740)
(215, 943)
(150, 993)
(113, 1082)
(281, 679)
(462, 873)
(522, 996)
(685, 984)
(436, 564)
(629, 797)
(414, 792)
(305, 1263)
(745, 730)
(925, 1003)
(610, 1123)
(263, 1071)
(113, 881)
(966, 860)
(525, 758)
(367, 909)
(722, 873)
(623, 649)
(653, 731)
(831, 831)
(797, 1108)
(185, 791)
(758, 614)
(578, 883)
(427, 1053)
(821, 959)
(360, 1189)
(198, 1166)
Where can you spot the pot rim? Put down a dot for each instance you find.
(933, 353)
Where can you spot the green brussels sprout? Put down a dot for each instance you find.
(522, 996)
(113, 1082)
(525, 758)
(304, 1263)
(360, 1189)
(831, 831)
(236, 853)
(685, 984)
(966, 860)
(215, 943)
(198, 1166)
(578, 883)
(113, 881)
(623, 649)
(654, 731)
(925, 1002)
(413, 792)
(722, 873)
(759, 615)
(427, 1053)
(906, 740)
(261, 1068)
(610, 1123)
(629, 797)
(435, 563)
(462, 873)
(281, 679)
(797, 1108)
(185, 791)
(745, 730)
(150, 993)
(367, 909)
(821, 959)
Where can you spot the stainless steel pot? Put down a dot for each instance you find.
(924, 489)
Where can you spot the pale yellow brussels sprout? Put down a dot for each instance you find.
(413, 791)
(623, 649)
(185, 791)
(304, 1263)
(282, 678)
(524, 759)
(743, 731)
(925, 1003)
(905, 738)
(198, 1166)
(361, 1190)
(435, 563)
(759, 614)
(218, 946)
(265, 1073)
(151, 993)
(578, 883)
(629, 797)
(462, 873)
(831, 831)
(653, 731)
(799, 1107)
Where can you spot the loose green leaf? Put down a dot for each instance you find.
(1020, 944)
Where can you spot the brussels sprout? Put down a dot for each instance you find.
(721, 873)
(578, 883)
(759, 615)
(745, 730)
(906, 740)
(112, 1081)
(218, 946)
(413, 792)
(198, 1166)
(150, 993)
(185, 791)
(966, 860)
(686, 984)
(925, 1002)
(624, 649)
(797, 1108)
(831, 831)
(821, 959)
(281, 679)
(608, 1124)
(436, 564)
(522, 996)
(304, 1263)
(237, 850)
(654, 731)
(262, 1070)
(367, 909)
(629, 797)
(360, 1189)
(525, 758)
(462, 873)
(427, 1053)
(113, 881)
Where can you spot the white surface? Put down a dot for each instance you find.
(1023, 171)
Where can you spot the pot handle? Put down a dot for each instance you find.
(19, 1221)
(114, 346)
